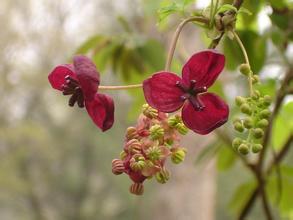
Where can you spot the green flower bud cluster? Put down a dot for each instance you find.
(255, 109)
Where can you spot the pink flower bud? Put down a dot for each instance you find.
(117, 166)
(136, 188)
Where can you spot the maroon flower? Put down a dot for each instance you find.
(202, 112)
(81, 80)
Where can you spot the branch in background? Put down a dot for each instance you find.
(278, 103)
(280, 156)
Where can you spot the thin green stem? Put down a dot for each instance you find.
(211, 12)
(176, 36)
(120, 87)
(246, 60)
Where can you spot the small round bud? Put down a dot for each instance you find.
(255, 79)
(239, 100)
(131, 133)
(265, 113)
(136, 188)
(149, 112)
(267, 100)
(238, 127)
(236, 120)
(248, 123)
(181, 128)
(243, 149)
(257, 133)
(260, 103)
(174, 120)
(117, 166)
(246, 109)
(255, 95)
(137, 162)
(178, 156)
(236, 143)
(256, 148)
(245, 69)
(133, 146)
(156, 132)
(262, 123)
(163, 176)
(123, 155)
(154, 153)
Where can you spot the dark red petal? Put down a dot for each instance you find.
(214, 114)
(203, 67)
(57, 76)
(101, 110)
(161, 92)
(87, 75)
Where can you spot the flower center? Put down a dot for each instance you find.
(71, 87)
(191, 93)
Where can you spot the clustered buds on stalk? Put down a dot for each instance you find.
(256, 109)
(147, 146)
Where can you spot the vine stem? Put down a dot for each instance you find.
(246, 60)
(134, 86)
(176, 37)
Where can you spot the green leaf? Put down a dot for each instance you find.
(91, 43)
(226, 7)
(283, 126)
(241, 196)
(244, 11)
(286, 199)
(255, 46)
(207, 153)
(226, 158)
(166, 11)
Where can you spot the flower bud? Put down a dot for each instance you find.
(123, 154)
(255, 95)
(117, 166)
(262, 123)
(154, 153)
(246, 109)
(149, 112)
(131, 133)
(163, 176)
(257, 133)
(238, 127)
(260, 103)
(256, 148)
(255, 79)
(174, 120)
(239, 100)
(243, 149)
(137, 162)
(248, 123)
(245, 69)
(236, 143)
(178, 156)
(267, 100)
(181, 128)
(265, 113)
(136, 188)
(133, 146)
(156, 132)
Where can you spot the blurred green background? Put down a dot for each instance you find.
(55, 164)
